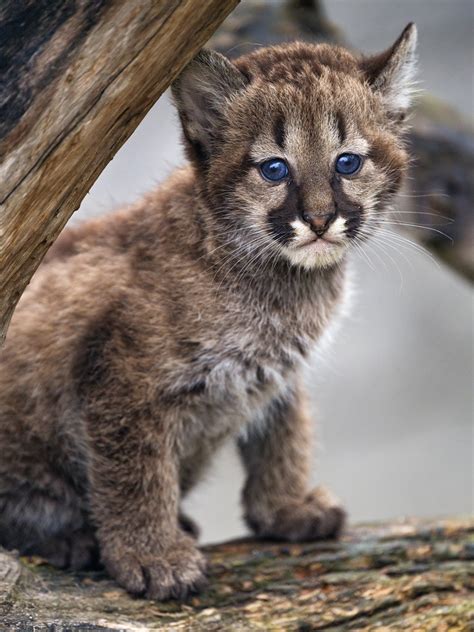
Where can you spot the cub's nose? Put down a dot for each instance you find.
(319, 222)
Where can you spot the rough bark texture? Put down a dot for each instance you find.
(407, 576)
(77, 77)
(439, 196)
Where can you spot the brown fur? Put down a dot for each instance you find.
(151, 335)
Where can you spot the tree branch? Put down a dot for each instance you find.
(80, 76)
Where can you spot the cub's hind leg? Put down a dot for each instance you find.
(77, 551)
(46, 520)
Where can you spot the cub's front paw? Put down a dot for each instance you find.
(172, 574)
(316, 516)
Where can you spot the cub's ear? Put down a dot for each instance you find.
(391, 73)
(201, 93)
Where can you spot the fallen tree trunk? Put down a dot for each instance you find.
(407, 576)
(77, 78)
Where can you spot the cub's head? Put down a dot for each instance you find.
(298, 148)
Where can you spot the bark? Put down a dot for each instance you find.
(406, 576)
(438, 199)
(77, 77)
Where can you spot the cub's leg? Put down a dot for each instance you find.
(135, 501)
(74, 550)
(134, 494)
(46, 521)
(132, 462)
(276, 498)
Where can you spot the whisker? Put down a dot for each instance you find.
(434, 230)
(360, 250)
(398, 212)
(376, 241)
(407, 243)
(424, 195)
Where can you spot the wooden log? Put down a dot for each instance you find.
(77, 76)
(406, 576)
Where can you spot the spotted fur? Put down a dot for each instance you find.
(149, 336)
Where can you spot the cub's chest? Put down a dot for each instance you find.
(233, 384)
(234, 371)
(246, 362)
(233, 394)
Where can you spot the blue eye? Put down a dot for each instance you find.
(274, 169)
(347, 164)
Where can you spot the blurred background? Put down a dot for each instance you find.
(392, 394)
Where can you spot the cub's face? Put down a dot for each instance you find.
(299, 147)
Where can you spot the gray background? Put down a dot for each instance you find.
(392, 394)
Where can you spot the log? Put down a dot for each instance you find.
(405, 576)
(77, 78)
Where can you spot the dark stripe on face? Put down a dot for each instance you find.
(279, 132)
(346, 208)
(281, 217)
(341, 127)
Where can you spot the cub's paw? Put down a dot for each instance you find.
(316, 516)
(77, 551)
(172, 574)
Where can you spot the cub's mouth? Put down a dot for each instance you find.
(315, 251)
(319, 243)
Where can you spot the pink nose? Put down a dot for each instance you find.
(318, 222)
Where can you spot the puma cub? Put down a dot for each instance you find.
(151, 335)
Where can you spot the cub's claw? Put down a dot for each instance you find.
(173, 574)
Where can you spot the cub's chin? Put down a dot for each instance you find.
(315, 252)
